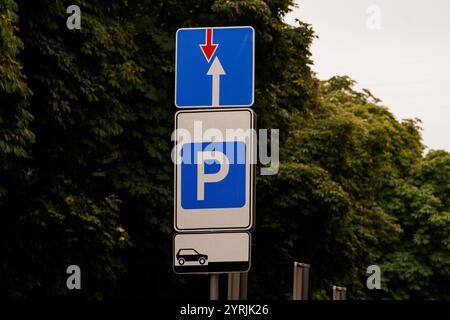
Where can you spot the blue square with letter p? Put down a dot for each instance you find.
(213, 175)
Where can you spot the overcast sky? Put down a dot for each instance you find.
(403, 58)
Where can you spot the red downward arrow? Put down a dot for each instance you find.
(209, 48)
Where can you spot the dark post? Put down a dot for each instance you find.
(301, 281)
(233, 286)
(244, 285)
(214, 286)
(339, 293)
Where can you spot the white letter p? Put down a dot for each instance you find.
(203, 178)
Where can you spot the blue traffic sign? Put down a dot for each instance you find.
(214, 67)
(213, 175)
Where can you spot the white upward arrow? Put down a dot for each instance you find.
(216, 70)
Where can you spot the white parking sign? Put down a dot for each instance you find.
(214, 170)
(211, 252)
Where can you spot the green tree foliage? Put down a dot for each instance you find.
(357, 198)
(86, 176)
(420, 266)
(14, 97)
(55, 215)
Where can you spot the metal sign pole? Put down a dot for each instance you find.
(233, 286)
(244, 285)
(339, 293)
(214, 286)
(301, 281)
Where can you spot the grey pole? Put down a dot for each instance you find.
(214, 286)
(243, 286)
(301, 281)
(233, 286)
(339, 293)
